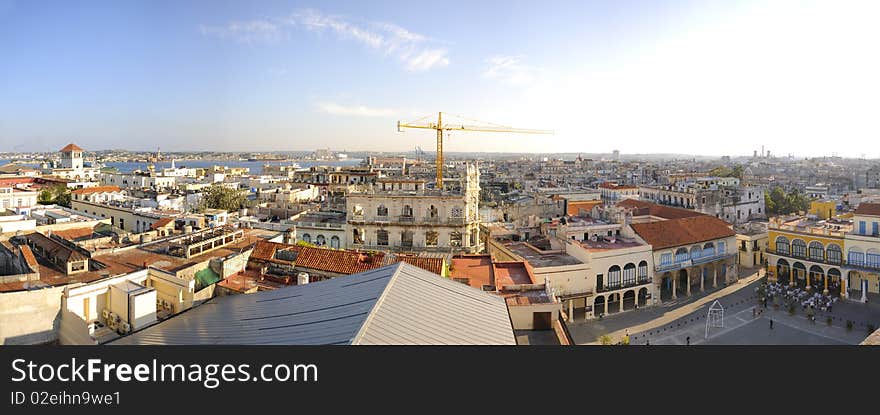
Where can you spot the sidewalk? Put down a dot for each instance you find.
(682, 311)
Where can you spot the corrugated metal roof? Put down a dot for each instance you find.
(414, 307)
(422, 308)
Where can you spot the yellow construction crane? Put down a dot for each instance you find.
(440, 128)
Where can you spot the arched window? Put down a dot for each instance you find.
(381, 211)
(666, 258)
(722, 249)
(643, 271)
(629, 274)
(382, 237)
(681, 255)
(696, 252)
(455, 239)
(709, 249)
(406, 211)
(432, 211)
(334, 242)
(799, 248)
(307, 238)
(872, 258)
(855, 256)
(782, 247)
(817, 251)
(834, 254)
(320, 240)
(614, 277)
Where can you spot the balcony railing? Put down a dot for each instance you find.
(606, 288)
(692, 261)
(406, 218)
(788, 254)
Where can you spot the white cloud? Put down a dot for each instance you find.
(415, 51)
(427, 59)
(510, 70)
(246, 32)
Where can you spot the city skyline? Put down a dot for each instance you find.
(685, 78)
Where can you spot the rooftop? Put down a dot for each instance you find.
(540, 259)
(71, 147)
(870, 209)
(683, 231)
(417, 307)
(605, 245)
(642, 208)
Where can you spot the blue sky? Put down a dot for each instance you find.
(700, 77)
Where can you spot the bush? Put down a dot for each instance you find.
(605, 340)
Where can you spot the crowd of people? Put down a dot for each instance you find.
(795, 295)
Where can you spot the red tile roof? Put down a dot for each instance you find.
(162, 222)
(434, 265)
(660, 211)
(340, 261)
(96, 189)
(71, 147)
(75, 233)
(683, 231)
(29, 257)
(871, 209)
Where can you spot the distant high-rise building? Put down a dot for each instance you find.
(616, 155)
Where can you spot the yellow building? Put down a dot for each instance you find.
(808, 253)
(823, 209)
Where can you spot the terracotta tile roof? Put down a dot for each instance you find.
(575, 207)
(683, 231)
(29, 257)
(162, 222)
(70, 147)
(434, 265)
(265, 250)
(338, 261)
(54, 248)
(871, 209)
(660, 211)
(75, 233)
(96, 189)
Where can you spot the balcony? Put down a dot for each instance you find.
(607, 288)
(691, 262)
(406, 219)
(787, 254)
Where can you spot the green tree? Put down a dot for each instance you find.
(769, 205)
(61, 195)
(45, 197)
(221, 197)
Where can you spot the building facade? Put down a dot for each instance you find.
(407, 217)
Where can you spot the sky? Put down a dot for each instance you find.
(693, 77)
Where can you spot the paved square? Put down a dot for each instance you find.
(757, 332)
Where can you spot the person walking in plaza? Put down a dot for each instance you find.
(771, 324)
(688, 340)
